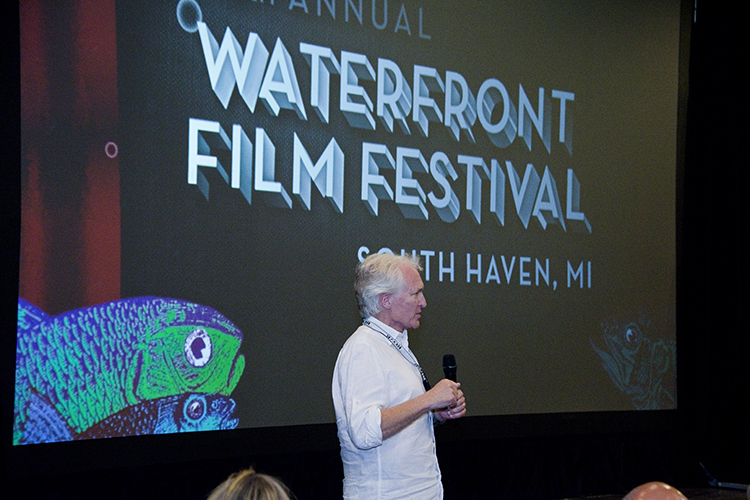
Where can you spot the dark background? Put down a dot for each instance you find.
(522, 456)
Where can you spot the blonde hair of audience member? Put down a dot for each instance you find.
(249, 485)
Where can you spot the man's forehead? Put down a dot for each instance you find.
(413, 280)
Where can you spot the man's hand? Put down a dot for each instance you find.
(445, 394)
(455, 406)
(445, 398)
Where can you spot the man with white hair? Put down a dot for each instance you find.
(384, 405)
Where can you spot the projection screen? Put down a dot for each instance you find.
(200, 179)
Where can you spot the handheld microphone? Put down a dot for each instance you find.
(449, 367)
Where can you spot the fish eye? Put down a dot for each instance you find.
(198, 348)
(632, 334)
(195, 408)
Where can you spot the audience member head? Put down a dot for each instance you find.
(377, 274)
(249, 485)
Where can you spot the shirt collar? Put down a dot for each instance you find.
(402, 337)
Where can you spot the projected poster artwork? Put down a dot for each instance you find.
(200, 179)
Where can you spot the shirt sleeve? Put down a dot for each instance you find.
(364, 393)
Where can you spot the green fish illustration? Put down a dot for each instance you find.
(92, 363)
(640, 367)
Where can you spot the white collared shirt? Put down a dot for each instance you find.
(371, 374)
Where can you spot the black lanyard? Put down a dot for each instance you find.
(395, 343)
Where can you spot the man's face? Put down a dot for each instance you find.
(406, 305)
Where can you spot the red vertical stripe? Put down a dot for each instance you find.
(96, 106)
(34, 115)
(70, 235)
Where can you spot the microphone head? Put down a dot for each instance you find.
(449, 367)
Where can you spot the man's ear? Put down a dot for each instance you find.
(385, 301)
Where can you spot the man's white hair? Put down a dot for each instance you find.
(377, 274)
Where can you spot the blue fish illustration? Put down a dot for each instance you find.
(642, 368)
(91, 363)
(173, 414)
(169, 415)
